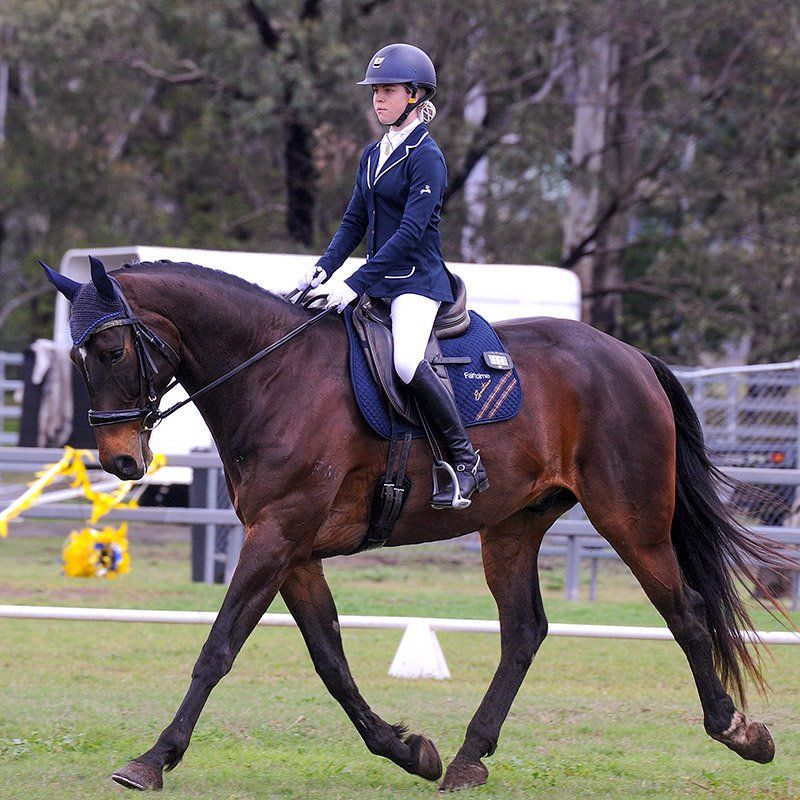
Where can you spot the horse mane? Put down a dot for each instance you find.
(206, 275)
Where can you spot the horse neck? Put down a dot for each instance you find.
(218, 326)
(215, 340)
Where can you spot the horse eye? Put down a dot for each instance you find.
(116, 355)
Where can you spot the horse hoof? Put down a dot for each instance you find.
(760, 745)
(462, 774)
(749, 739)
(139, 776)
(425, 758)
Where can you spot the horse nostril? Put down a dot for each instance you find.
(126, 467)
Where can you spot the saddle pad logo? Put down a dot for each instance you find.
(478, 393)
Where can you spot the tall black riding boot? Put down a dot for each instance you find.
(440, 409)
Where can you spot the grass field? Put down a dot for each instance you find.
(594, 719)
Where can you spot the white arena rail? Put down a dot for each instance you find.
(357, 621)
(419, 654)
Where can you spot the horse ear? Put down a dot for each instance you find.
(65, 285)
(101, 280)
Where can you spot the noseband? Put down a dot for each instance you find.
(143, 340)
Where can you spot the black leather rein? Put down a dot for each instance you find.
(143, 338)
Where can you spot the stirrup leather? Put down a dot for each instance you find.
(458, 500)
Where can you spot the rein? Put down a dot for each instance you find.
(236, 370)
(149, 412)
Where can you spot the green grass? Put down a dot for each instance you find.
(594, 718)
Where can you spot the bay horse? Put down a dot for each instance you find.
(602, 424)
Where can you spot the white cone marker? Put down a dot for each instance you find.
(419, 654)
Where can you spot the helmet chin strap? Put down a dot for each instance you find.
(412, 106)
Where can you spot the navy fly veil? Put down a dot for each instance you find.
(483, 394)
(90, 310)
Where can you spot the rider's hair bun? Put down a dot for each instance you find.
(426, 111)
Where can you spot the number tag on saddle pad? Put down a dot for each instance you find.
(497, 360)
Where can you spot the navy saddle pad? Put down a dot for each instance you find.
(483, 394)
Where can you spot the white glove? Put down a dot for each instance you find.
(312, 277)
(340, 297)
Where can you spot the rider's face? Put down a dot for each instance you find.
(389, 101)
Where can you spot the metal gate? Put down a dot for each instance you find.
(751, 418)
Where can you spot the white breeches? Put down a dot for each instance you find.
(412, 322)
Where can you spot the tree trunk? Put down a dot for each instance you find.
(301, 176)
(301, 182)
(620, 167)
(3, 99)
(593, 97)
(473, 243)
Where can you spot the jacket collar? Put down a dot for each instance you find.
(399, 154)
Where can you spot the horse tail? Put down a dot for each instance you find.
(714, 550)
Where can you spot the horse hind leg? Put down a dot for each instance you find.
(510, 551)
(654, 562)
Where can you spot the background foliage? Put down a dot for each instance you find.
(650, 145)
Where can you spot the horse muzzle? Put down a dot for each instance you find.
(126, 467)
(122, 451)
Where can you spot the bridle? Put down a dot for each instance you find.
(143, 338)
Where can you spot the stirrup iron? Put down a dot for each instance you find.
(458, 500)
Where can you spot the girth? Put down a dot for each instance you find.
(373, 324)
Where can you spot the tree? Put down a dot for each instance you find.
(652, 146)
(670, 101)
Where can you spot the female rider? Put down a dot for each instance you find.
(397, 200)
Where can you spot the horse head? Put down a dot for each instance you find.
(125, 365)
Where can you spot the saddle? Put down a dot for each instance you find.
(373, 324)
(468, 356)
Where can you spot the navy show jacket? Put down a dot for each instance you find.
(398, 209)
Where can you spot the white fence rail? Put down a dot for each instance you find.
(419, 654)
(358, 621)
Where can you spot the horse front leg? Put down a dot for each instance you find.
(309, 599)
(263, 564)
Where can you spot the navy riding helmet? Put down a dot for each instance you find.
(404, 64)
